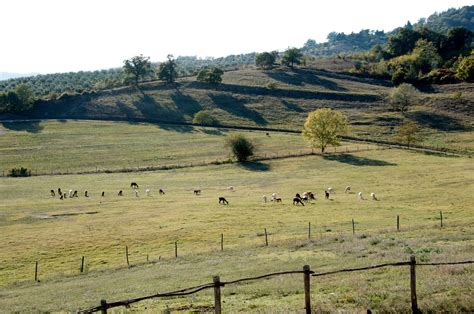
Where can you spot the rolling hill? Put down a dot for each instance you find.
(279, 98)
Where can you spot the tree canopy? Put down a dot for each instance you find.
(324, 127)
(408, 133)
(402, 97)
(291, 57)
(241, 147)
(266, 60)
(167, 70)
(137, 68)
(211, 75)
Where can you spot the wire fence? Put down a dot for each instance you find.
(217, 284)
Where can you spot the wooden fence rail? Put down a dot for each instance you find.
(307, 273)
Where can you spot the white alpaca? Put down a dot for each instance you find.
(264, 198)
(305, 194)
(373, 196)
(70, 193)
(330, 190)
(348, 189)
(147, 192)
(136, 193)
(360, 195)
(274, 196)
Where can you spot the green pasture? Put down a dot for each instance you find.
(73, 146)
(56, 233)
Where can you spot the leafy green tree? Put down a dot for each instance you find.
(324, 127)
(266, 60)
(25, 96)
(167, 70)
(211, 75)
(205, 118)
(425, 56)
(402, 97)
(291, 57)
(136, 68)
(241, 147)
(465, 69)
(403, 42)
(408, 133)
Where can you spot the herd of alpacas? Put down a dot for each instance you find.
(297, 200)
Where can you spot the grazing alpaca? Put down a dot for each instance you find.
(133, 185)
(75, 194)
(348, 189)
(103, 193)
(136, 193)
(278, 199)
(161, 192)
(373, 196)
(59, 191)
(197, 192)
(330, 190)
(326, 194)
(264, 198)
(63, 196)
(274, 196)
(52, 193)
(297, 201)
(85, 194)
(311, 196)
(298, 195)
(222, 200)
(70, 193)
(360, 195)
(120, 193)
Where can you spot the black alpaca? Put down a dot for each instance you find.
(326, 193)
(222, 200)
(103, 193)
(197, 192)
(86, 194)
(161, 192)
(134, 185)
(120, 193)
(297, 201)
(52, 193)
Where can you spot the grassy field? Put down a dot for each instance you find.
(37, 227)
(72, 146)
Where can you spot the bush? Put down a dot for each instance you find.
(19, 172)
(204, 118)
(241, 147)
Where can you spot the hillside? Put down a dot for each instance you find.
(277, 98)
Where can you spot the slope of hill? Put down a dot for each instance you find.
(277, 98)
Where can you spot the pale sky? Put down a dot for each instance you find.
(49, 36)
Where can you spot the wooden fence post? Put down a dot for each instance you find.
(266, 237)
(82, 264)
(103, 306)
(36, 271)
(217, 294)
(307, 288)
(353, 227)
(441, 217)
(414, 302)
(398, 223)
(309, 230)
(176, 249)
(126, 255)
(222, 242)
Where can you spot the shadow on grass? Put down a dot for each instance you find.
(30, 127)
(212, 131)
(236, 106)
(254, 166)
(301, 77)
(437, 121)
(357, 160)
(291, 106)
